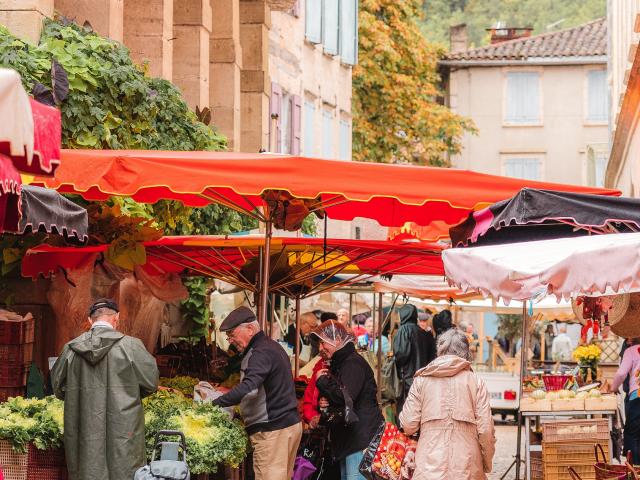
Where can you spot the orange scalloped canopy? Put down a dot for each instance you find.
(390, 194)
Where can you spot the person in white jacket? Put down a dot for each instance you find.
(562, 346)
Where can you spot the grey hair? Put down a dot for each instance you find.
(102, 312)
(454, 342)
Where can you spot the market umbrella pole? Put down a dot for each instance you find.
(378, 331)
(296, 368)
(524, 350)
(264, 277)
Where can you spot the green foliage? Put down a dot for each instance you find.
(542, 15)
(111, 103)
(397, 116)
(195, 308)
(510, 327)
(212, 437)
(183, 384)
(32, 420)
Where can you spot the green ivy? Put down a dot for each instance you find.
(111, 103)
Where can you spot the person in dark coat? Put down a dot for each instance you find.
(413, 349)
(442, 322)
(347, 371)
(102, 377)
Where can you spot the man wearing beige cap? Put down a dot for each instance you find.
(267, 396)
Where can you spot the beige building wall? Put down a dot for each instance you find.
(623, 169)
(561, 138)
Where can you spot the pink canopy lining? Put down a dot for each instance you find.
(565, 268)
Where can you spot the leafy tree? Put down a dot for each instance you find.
(397, 116)
(542, 15)
(510, 327)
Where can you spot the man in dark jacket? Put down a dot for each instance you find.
(102, 376)
(413, 349)
(267, 397)
(348, 374)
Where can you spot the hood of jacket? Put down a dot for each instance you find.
(94, 345)
(445, 366)
(408, 314)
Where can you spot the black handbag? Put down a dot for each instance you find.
(346, 415)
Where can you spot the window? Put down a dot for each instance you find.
(308, 148)
(327, 133)
(313, 20)
(345, 140)
(285, 124)
(330, 16)
(349, 31)
(597, 159)
(523, 98)
(525, 168)
(597, 97)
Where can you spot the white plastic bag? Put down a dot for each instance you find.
(205, 392)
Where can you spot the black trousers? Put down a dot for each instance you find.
(632, 430)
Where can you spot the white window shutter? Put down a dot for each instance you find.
(313, 20)
(345, 140)
(330, 23)
(349, 31)
(523, 97)
(525, 168)
(327, 134)
(597, 96)
(308, 147)
(296, 124)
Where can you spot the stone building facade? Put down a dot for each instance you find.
(275, 73)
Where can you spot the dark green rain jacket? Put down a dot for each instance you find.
(102, 376)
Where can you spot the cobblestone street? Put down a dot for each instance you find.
(505, 451)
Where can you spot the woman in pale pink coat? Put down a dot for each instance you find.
(449, 405)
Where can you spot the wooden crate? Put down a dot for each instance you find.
(569, 430)
(580, 455)
(567, 404)
(537, 466)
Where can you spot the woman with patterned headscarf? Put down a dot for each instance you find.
(349, 378)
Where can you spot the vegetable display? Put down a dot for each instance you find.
(183, 384)
(213, 438)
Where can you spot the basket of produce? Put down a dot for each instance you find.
(555, 382)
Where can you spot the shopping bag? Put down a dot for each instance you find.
(390, 455)
(302, 469)
(610, 471)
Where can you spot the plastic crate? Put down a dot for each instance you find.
(16, 354)
(571, 453)
(12, 332)
(46, 458)
(13, 375)
(570, 430)
(14, 465)
(8, 392)
(44, 473)
(537, 466)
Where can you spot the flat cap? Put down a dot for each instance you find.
(103, 303)
(237, 317)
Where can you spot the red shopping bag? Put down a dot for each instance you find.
(390, 456)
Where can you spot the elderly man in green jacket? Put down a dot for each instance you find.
(102, 376)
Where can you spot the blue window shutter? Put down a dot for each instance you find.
(345, 140)
(313, 20)
(308, 147)
(349, 31)
(597, 96)
(523, 97)
(330, 23)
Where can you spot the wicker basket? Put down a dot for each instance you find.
(554, 382)
(559, 456)
(568, 431)
(537, 466)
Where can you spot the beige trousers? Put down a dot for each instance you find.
(274, 453)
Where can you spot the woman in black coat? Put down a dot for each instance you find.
(350, 374)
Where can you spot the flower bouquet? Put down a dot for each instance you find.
(588, 357)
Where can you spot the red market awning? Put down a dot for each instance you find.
(299, 265)
(10, 187)
(33, 136)
(390, 194)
